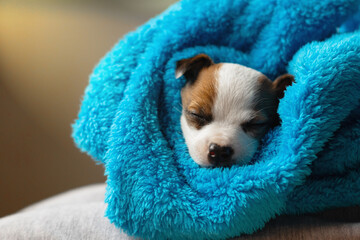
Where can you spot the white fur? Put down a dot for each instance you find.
(234, 104)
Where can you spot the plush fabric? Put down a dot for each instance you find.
(129, 119)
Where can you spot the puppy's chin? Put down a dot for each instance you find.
(206, 164)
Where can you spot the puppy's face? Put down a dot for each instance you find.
(227, 109)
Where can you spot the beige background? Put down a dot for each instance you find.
(47, 51)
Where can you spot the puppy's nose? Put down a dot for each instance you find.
(220, 155)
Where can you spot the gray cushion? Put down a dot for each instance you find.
(77, 214)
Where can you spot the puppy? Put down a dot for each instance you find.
(227, 109)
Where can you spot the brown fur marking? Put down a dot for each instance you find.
(281, 83)
(199, 96)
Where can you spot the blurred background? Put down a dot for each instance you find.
(48, 48)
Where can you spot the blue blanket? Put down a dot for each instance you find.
(129, 119)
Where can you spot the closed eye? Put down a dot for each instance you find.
(200, 118)
(198, 115)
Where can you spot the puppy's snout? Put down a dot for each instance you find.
(220, 155)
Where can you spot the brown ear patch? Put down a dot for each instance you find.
(198, 98)
(281, 83)
(191, 67)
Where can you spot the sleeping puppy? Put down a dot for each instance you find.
(227, 109)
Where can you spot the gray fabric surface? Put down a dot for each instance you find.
(77, 214)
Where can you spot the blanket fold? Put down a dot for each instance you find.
(129, 119)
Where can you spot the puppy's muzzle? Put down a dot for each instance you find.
(220, 155)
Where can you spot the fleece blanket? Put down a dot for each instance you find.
(129, 119)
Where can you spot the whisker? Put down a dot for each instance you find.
(180, 111)
(263, 109)
(250, 143)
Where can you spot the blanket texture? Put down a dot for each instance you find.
(129, 119)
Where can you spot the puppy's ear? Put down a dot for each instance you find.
(190, 67)
(281, 83)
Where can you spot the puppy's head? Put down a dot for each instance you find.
(227, 109)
